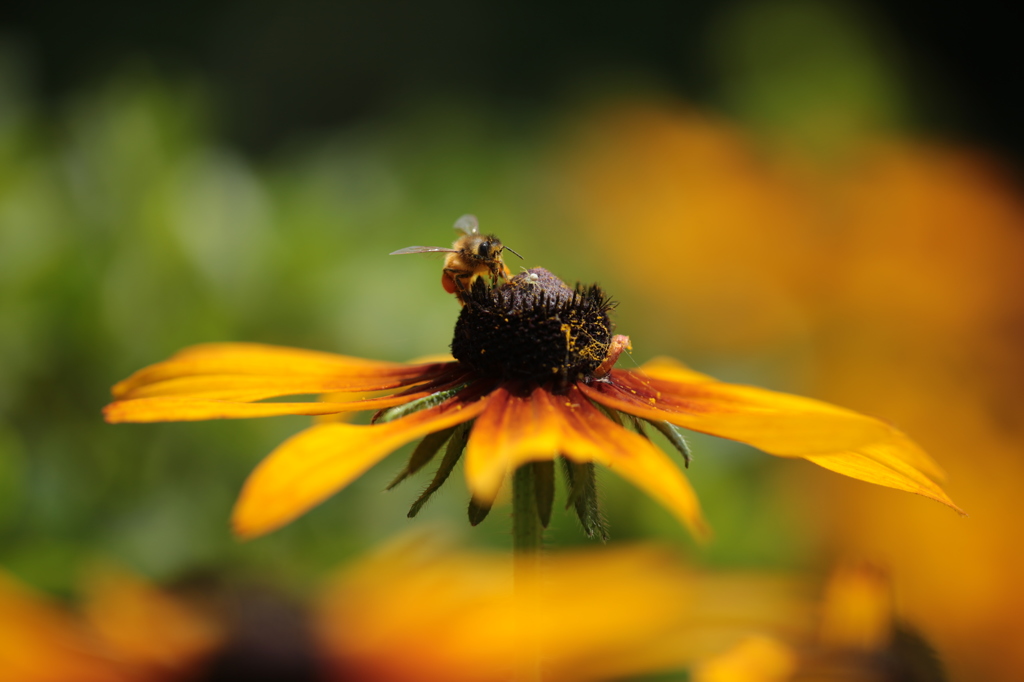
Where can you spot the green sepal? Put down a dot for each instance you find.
(456, 444)
(544, 489)
(426, 402)
(424, 452)
(581, 478)
(638, 426)
(614, 415)
(675, 437)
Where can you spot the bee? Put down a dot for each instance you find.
(472, 255)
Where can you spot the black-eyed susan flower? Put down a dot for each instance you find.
(532, 380)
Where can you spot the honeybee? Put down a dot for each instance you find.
(472, 255)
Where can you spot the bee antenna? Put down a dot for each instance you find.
(508, 249)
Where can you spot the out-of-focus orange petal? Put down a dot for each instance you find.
(857, 612)
(518, 429)
(185, 409)
(778, 423)
(148, 631)
(458, 617)
(597, 614)
(756, 659)
(39, 643)
(249, 371)
(312, 465)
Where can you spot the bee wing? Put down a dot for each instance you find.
(468, 224)
(422, 249)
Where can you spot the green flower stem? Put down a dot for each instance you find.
(527, 541)
(527, 531)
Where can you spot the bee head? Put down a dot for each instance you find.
(488, 249)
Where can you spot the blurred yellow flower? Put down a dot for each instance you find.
(541, 386)
(414, 609)
(129, 632)
(858, 639)
(593, 614)
(460, 616)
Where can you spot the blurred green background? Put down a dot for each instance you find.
(226, 171)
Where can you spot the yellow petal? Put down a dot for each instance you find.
(884, 464)
(314, 464)
(251, 388)
(518, 429)
(184, 409)
(778, 423)
(248, 371)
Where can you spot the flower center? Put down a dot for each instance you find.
(533, 328)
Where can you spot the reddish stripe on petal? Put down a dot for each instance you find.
(252, 388)
(242, 366)
(487, 453)
(453, 375)
(516, 429)
(512, 430)
(314, 464)
(177, 409)
(634, 458)
(780, 424)
(247, 388)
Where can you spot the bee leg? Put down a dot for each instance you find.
(454, 283)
